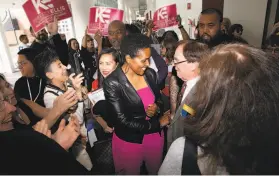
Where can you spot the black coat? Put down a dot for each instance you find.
(128, 111)
(28, 152)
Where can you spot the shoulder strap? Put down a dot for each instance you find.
(189, 161)
(52, 92)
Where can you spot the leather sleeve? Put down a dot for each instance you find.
(112, 95)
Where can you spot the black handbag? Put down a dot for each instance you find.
(102, 157)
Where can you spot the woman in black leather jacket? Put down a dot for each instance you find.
(134, 96)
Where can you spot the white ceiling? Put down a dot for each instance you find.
(132, 3)
(135, 3)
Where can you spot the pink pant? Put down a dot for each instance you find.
(128, 157)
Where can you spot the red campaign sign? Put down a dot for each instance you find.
(165, 17)
(41, 12)
(100, 17)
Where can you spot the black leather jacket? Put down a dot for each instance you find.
(128, 112)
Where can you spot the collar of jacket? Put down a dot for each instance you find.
(148, 76)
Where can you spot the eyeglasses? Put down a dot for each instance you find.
(118, 32)
(176, 63)
(89, 40)
(20, 64)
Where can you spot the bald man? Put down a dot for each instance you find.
(116, 32)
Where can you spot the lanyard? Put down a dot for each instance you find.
(30, 93)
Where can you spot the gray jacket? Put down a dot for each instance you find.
(176, 128)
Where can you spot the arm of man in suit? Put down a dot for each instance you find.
(161, 66)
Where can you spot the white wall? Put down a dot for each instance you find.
(151, 6)
(251, 14)
(80, 13)
(5, 55)
(129, 12)
(193, 13)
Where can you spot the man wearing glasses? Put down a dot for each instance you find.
(186, 61)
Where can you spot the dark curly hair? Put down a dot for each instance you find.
(237, 117)
(43, 61)
(132, 43)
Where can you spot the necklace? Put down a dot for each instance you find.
(30, 93)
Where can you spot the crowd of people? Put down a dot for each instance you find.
(196, 106)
